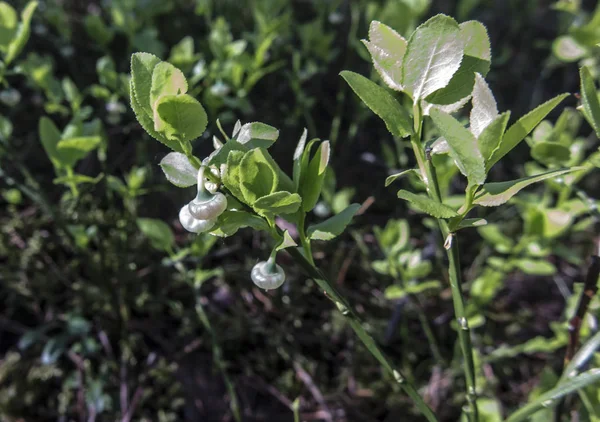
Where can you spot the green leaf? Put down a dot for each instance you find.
(469, 223)
(463, 146)
(50, 137)
(427, 205)
(166, 80)
(582, 357)
(381, 102)
(231, 178)
(387, 49)
(142, 66)
(22, 35)
(484, 109)
(494, 194)
(476, 59)
(8, 24)
(78, 179)
(258, 174)
(333, 226)
(534, 266)
(286, 242)
(433, 55)
(491, 137)
(312, 179)
(220, 156)
(231, 221)
(396, 292)
(589, 99)
(298, 154)
(257, 135)
(178, 170)
(391, 179)
(551, 398)
(567, 49)
(84, 144)
(278, 203)
(518, 131)
(148, 124)
(181, 117)
(550, 153)
(158, 233)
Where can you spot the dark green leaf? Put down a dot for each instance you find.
(463, 146)
(158, 232)
(589, 99)
(494, 194)
(518, 131)
(333, 226)
(381, 102)
(427, 205)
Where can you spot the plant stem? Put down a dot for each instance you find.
(464, 333)
(356, 324)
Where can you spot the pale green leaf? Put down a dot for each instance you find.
(476, 59)
(433, 55)
(567, 49)
(158, 233)
(286, 242)
(142, 66)
(8, 24)
(333, 226)
(518, 131)
(278, 203)
(387, 49)
(84, 144)
(231, 179)
(258, 175)
(463, 146)
(396, 292)
(178, 170)
(166, 80)
(382, 103)
(22, 35)
(494, 194)
(146, 122)
(257, 135)
(182, 117)
(78, 179)
(589, 99)
(427, 205)
(484, 109)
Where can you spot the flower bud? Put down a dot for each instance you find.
(267, 275)
(192, 224)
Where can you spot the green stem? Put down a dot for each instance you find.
(429, 176)
(356, 324)
(72, 185)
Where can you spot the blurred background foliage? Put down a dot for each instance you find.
(109, 310)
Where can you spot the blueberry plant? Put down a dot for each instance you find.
(438, 71)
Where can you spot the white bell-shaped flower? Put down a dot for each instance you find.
(206, 205)
(267, 274)
(192, 224)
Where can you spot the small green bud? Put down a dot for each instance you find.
(267, 275)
